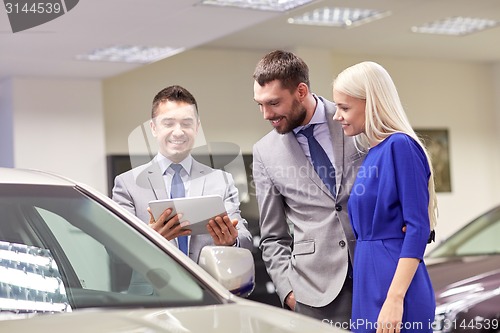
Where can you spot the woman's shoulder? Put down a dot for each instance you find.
(399, 137)
(402, 140)
(402, 143)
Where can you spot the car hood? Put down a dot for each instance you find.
(229, 318)
(448, 271)
(466, 283)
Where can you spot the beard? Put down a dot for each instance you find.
(295, 119)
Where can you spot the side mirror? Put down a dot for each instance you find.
(232, 267)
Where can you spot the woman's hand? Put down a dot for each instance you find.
(390, 316)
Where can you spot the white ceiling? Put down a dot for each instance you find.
(49, 50)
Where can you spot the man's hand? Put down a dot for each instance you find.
(223, 230)
(168, 229)
(290, 301)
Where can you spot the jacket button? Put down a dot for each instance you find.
(342, 243)
(338, 208)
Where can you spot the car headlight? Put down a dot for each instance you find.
(444, 320)
(438, 324)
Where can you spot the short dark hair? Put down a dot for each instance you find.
(284, 66)
(173, 94)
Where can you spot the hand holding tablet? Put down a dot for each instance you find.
(197, 210)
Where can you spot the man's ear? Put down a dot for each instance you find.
(198, 124)
(302, 91)
(153, 127)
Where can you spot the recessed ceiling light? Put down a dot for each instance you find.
(457, 26)
(269, 5)
(338, 17)
(130, 54)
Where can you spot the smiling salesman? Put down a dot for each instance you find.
(173, 173)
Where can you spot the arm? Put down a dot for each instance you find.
(412, 172)
(276, 241)
(169, 229)
(412, 176)
(121, 195)
(391, 314)
(231, 229)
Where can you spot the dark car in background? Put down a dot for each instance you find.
(465, 272)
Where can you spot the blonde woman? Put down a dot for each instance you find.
(394, 188)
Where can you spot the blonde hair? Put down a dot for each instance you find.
(384, 113)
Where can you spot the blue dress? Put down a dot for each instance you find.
(391, 191)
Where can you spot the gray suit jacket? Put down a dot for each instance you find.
(313, 262)
(134, 190)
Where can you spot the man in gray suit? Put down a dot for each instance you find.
(175, 124)
(306, 238)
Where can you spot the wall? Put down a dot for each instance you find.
(58, 127)
(6, 130)
(496, 120)
(437, 94)
(221, 82)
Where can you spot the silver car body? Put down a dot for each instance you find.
(54, 229)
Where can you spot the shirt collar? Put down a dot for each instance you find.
(165, 163)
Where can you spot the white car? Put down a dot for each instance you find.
(72, 260)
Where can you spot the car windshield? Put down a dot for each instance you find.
(480, 237)
(60, 250)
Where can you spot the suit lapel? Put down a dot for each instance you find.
(156, 182)
(336, 133)
(198, 173)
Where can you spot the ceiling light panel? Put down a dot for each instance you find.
(130, 54)
(267, 5)
(456, 26)
(338, 17)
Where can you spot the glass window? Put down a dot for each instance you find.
(480, 237)
(100, 260)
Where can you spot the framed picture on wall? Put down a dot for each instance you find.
(437, 143)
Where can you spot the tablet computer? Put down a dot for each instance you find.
(197, 210)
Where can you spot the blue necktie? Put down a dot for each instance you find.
(321, 162)
(177, 190)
